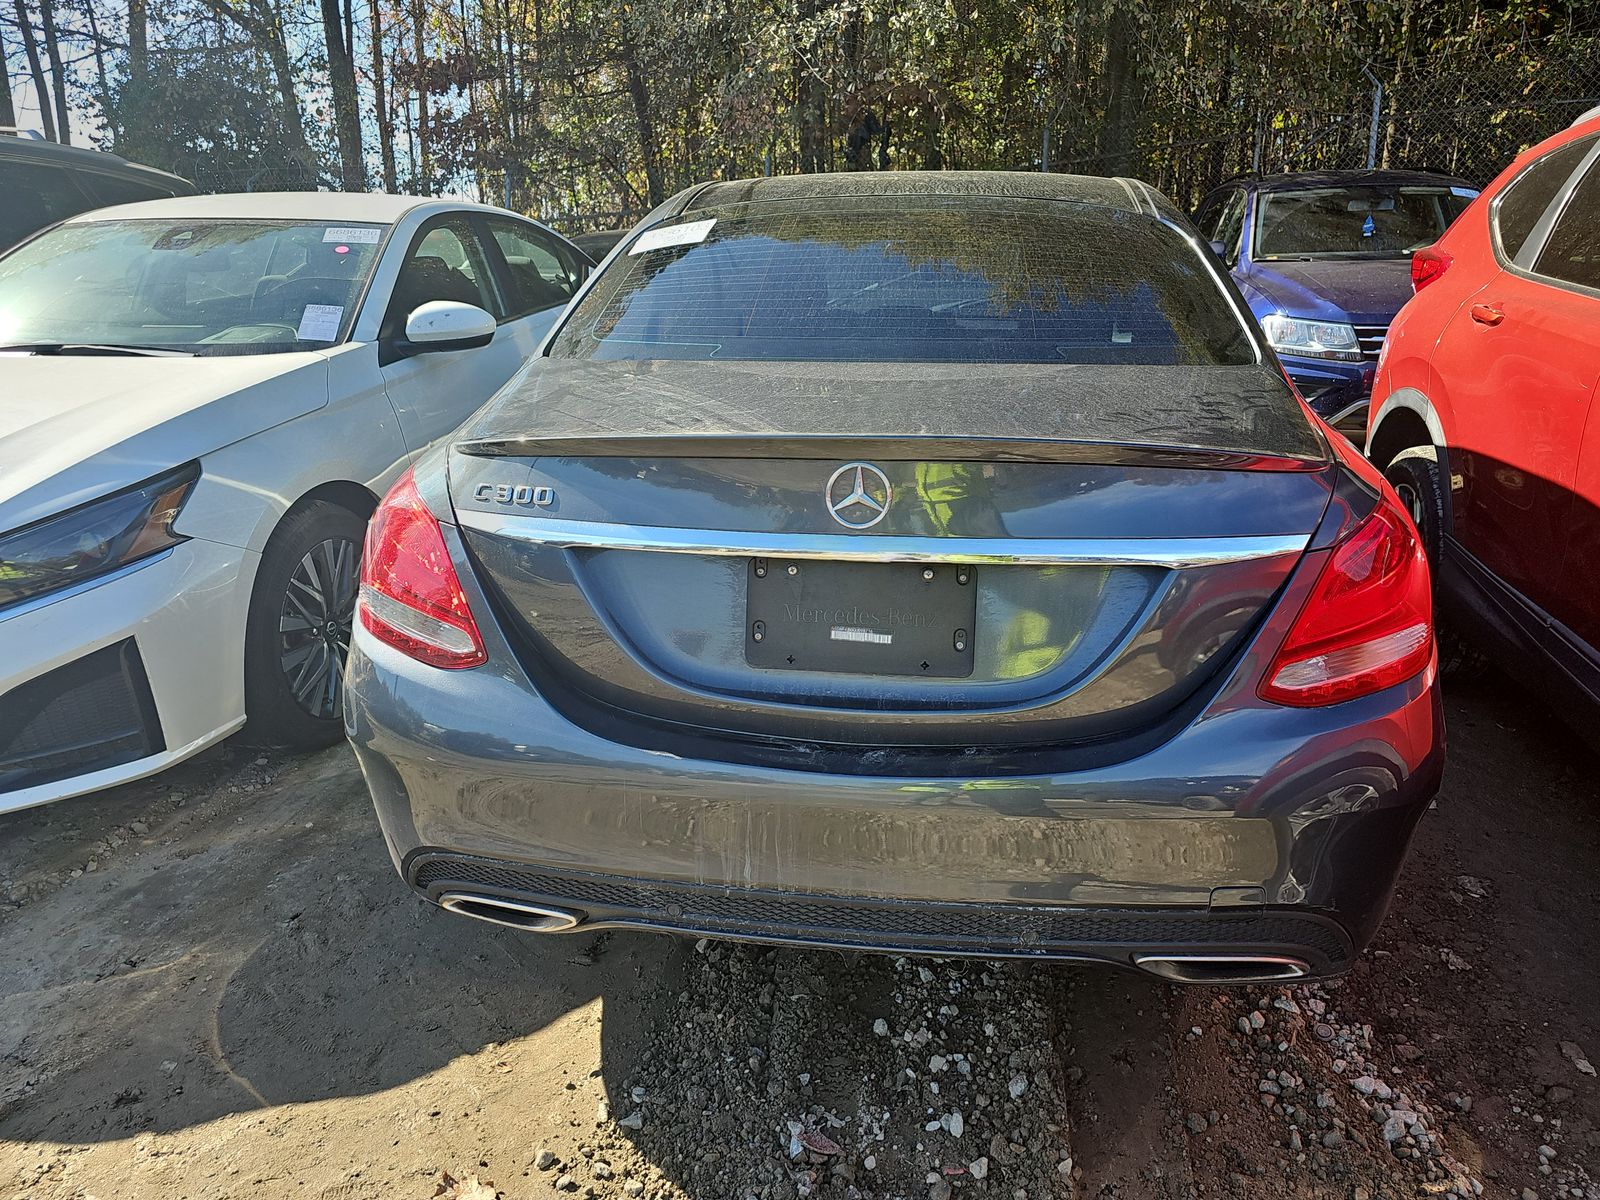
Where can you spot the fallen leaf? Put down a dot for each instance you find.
(820, 1143)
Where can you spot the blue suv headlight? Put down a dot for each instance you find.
(1311, 339)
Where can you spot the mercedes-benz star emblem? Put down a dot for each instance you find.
(858, 495)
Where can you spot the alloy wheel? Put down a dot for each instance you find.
(314, 625)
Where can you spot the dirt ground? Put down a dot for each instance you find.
(212, 985)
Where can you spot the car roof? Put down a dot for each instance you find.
(1128, 195)
(16, 146)
(295, 206)
(1306, 180)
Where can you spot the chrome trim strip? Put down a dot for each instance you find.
(1128, 552)
(1347, 411)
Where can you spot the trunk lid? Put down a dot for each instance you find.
(884, 555)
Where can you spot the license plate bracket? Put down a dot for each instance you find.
(861, 618)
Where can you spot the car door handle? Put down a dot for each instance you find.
(1487, 314)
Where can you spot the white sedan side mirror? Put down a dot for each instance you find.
(447, 325)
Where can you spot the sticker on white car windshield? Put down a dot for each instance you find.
(320, 322)
(351, 233)
(688, 234)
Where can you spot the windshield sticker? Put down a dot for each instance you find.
(351, 233)
(320, 322)
(690, 233)
(1469, 193)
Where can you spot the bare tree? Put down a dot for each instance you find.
(102, 73)
(30, 46)
(58, 74)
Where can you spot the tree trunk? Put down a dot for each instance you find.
(639, 93)
(424, 181)
(102, 76)
(1118, 136)
(1216, 167)
(381, 102)
(289, 101)
(31, 46)
(932, 137)
(1401, 70)
(8, 112)
(809, 101)
(138, 41)
(346, 104)
(58, 74)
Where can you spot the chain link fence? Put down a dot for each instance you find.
(1465, 115)
(208, 178)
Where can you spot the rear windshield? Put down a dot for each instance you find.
(912, 279)
(1355, 222)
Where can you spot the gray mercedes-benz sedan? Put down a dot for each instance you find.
(926, 562)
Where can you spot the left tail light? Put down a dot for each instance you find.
(1368, 623)
(411, 597)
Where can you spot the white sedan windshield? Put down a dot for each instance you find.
(195, 286)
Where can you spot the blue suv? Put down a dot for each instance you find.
(1324, 260)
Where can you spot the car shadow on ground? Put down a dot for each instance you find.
(267, 955)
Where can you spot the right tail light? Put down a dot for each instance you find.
(1368, 623)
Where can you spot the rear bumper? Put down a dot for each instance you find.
(1256, 830)
(1318, 944)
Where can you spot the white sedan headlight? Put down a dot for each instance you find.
(93, 538)
(1311, 339)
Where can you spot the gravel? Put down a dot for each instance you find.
(781, 1074)
(1327, 1082)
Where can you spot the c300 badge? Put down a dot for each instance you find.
(525, 494)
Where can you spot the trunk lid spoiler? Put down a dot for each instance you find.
(845, 447)
(1224, 417)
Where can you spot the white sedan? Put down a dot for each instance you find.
(200, 401)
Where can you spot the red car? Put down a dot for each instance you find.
(1481, 418)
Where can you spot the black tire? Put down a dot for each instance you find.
(298, 634)
(1416, 479)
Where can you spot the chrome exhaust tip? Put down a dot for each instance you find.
(1223, 968)
(517, 914)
